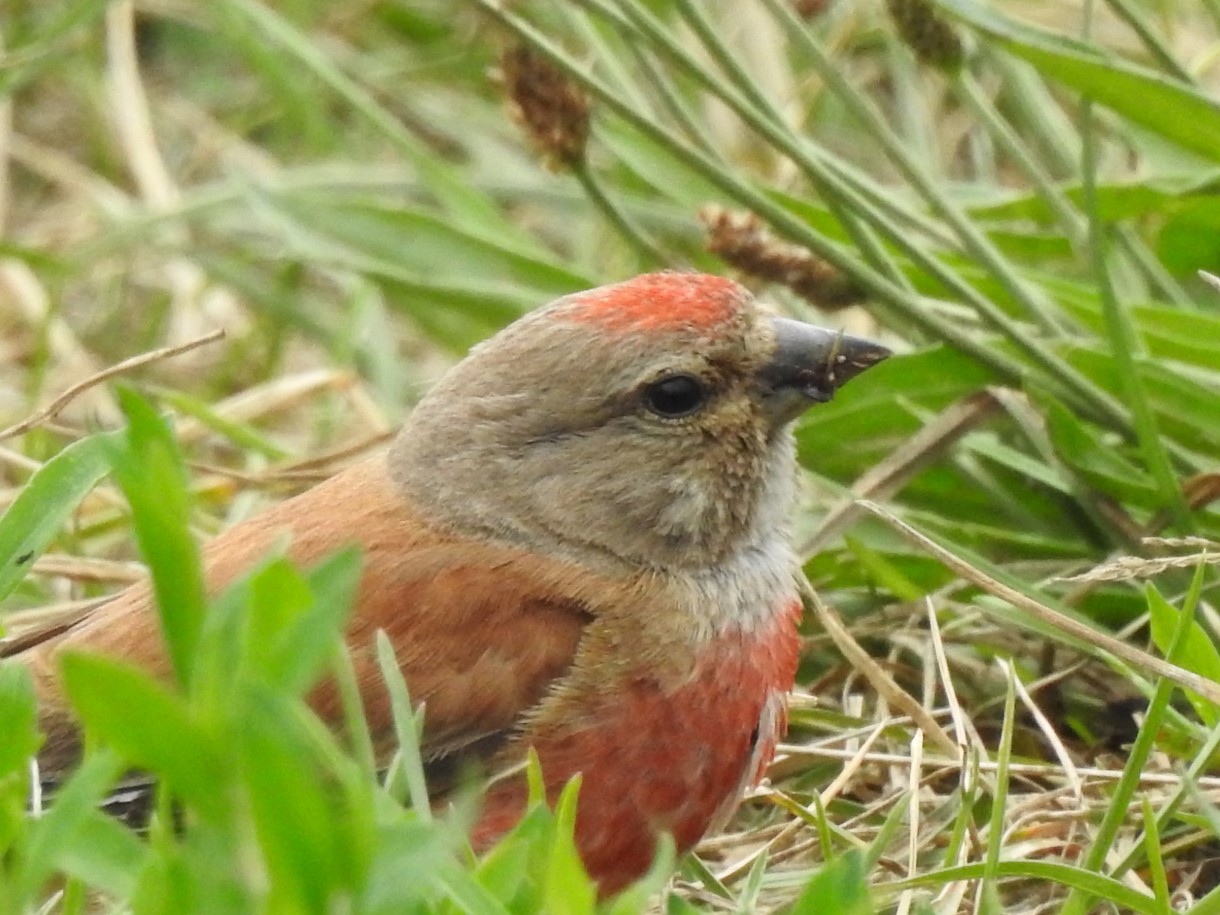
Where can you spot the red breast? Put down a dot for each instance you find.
(658, 760)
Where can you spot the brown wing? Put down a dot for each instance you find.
(479, 640)
(481, 631)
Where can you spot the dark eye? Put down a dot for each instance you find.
(677, 395)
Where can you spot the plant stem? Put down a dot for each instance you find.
(1064, 381)
(617, 216)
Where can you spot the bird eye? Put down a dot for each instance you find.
(674, 396)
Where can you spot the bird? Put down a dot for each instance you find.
(578, 544)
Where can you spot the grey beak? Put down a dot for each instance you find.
(809, 364)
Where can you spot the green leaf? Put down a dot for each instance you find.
(1186, 337)
(637, 897)
(103, 853)
(1172, 110)
(306, 842)
(884, 572)
(1114, 201)
(838, 888)
(505, 868)
(46, 502)
(463, 202)
(470, 897)
(57, 835)
(1185, 406)
(152, 473)
(304, 643)
(993, 448)
(241, 434)
(274, 628)
(275, 595)
(425, 242)
(147, 724)
(416, 862)
(657, 165)
(1123, 897)
(1101, 463)
(1196, 652)
(677, 905)
(880, 409)
(18, 720)
(1188, 240)
(569, 891)
(408, 764)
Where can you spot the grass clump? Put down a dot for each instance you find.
(1022, 206)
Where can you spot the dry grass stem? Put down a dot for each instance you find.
(906, 897)
(1041, 771)
(827, 795)
(1140, 659)
(27, 627)
(1048, 732)
(51, 410)
(272, 396)
(129, 108)
(1180, 543)
(956, 716)
(887, 477)
(1126, 568)
(87, 569)
(311, 470)
(881, 681)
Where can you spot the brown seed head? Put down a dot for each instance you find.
(927, 33)
(810, 9)
(741, 240)
(552, 109)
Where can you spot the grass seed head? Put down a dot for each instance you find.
(740, 239)
(552, 109)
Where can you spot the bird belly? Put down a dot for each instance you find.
(656, 760)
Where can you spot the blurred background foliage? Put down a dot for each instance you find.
(1019, 197)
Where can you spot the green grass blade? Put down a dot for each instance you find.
(147, 723)
(46, 502)
(1177, 112)
(150, 469)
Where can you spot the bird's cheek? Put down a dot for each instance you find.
(686, 509)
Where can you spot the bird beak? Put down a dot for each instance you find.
(809, 364)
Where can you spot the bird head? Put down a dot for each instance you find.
(644, 423)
